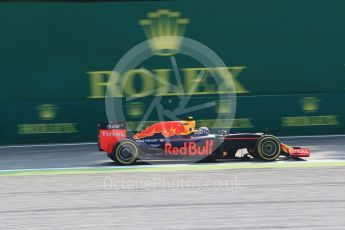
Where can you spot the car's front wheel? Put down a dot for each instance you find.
(268, 148)
(125, 153)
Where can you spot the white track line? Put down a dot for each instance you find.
(167, 165)
(102, 167)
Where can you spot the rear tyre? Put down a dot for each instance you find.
(125, 153)
(268, 148)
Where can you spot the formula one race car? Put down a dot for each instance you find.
(180, 140)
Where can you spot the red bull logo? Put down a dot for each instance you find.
(167, 129)
(189, 149)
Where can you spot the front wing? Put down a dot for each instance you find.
(295, 151)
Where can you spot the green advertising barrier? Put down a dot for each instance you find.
(286, 61)
(66, 121)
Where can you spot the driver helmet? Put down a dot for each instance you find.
(203, 131)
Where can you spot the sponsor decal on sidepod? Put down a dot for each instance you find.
(189, 149)
(167, 129)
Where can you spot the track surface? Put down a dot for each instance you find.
(227, 199)
(291, 198)
(87, 155)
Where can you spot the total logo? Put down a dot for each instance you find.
(299, 151)
(189, 149)
(113, 133)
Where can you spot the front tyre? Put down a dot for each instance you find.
(125, 152)
(268, 148)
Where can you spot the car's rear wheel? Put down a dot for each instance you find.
(125, 153)
(268, 148)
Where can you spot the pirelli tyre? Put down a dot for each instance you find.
(268, 148)
(125, 152)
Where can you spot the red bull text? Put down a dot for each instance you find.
(189, 149)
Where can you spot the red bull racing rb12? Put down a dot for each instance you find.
(180, 140)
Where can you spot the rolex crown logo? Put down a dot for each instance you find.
(310, 104)
(47, 112)
(164, 29)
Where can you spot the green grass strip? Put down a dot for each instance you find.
(172, 168)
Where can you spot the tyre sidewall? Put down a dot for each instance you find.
(116, 156)
(261, 154)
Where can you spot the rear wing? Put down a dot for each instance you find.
(110, 133)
